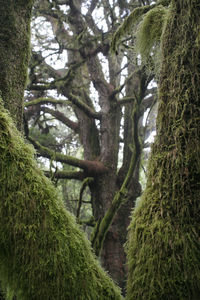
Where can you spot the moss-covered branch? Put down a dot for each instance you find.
(41, 100)
(84, 107)
(120, 88)
(125, 100)
(58, 82)
(91, 167)
(66, 175)
(43, 253)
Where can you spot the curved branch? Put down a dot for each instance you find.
(120, 88)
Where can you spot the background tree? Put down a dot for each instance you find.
(106, 111)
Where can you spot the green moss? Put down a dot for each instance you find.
(43, 253)
(150, 31)
(164, 235)
(135, 16)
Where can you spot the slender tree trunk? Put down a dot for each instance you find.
(163, 247)
(113, 254)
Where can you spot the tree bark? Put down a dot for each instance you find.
(163, 247)
(14, 54)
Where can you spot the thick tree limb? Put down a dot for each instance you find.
(126, 27)
(91, 167)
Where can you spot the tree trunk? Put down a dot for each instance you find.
(14, 54)
(163, 247)
(113, 254)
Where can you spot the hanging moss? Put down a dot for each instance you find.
(164, 235)
(43, 253)
(150, 31)
(127, 26)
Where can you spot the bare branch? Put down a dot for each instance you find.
(83, 187)
(61, 117)
(120, 88)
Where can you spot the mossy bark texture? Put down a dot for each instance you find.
(43, 253)
(164, 236)
(14, 53)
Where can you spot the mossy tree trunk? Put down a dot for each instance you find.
(43, 253)
(14, 43)
(14, 54)
(164, 240)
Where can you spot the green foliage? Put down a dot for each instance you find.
(43, 253)
(164, 235)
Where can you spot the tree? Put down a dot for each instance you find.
(43, 253)
(164, 241)
(105, 122)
